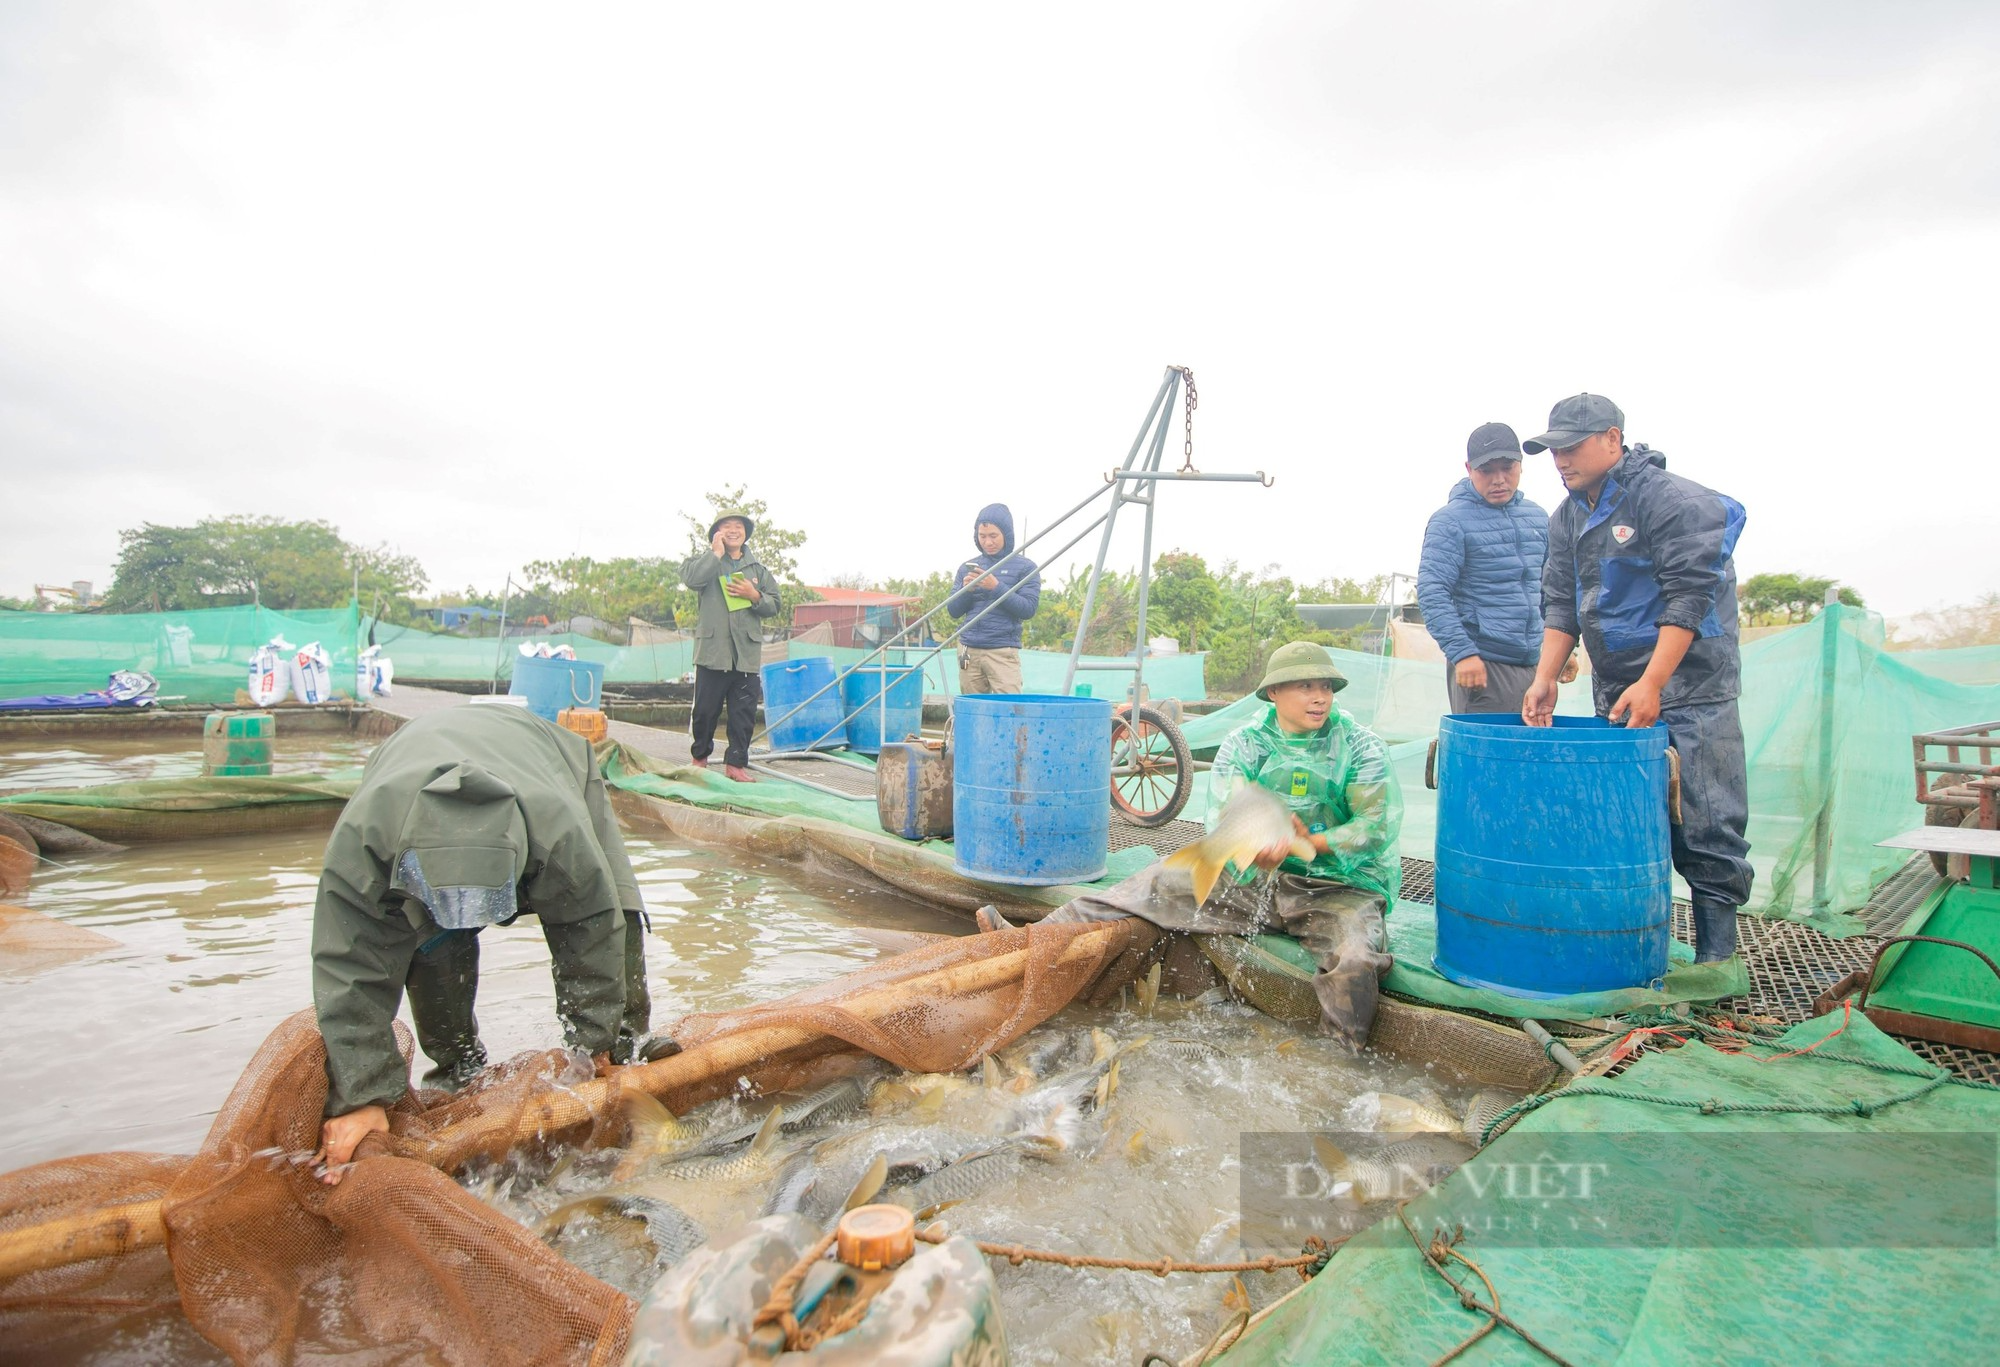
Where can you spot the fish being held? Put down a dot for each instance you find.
(1253, 821)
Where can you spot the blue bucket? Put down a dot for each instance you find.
(817, 724)
(550, 686)
(1031, 788)
(1553, 863)
(859, 690)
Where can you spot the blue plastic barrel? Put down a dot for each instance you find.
(1031, 787)
(817, 724)
(552, 685)
(1553, 871)
(862, 693)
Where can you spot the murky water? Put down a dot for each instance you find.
(135, 1048)
(78, 764)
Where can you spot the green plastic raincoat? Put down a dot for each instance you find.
(1337, 780)
(467, 818)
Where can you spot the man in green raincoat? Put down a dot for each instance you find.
(467, 818)
(1333, 777)
(735, 596)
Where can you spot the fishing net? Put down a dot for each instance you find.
(190, 808)
(398, 1262)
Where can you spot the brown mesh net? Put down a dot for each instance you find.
(400, 1263)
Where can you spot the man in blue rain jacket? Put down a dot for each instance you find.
(989, 648)
(1641, 564)
(1480, 579)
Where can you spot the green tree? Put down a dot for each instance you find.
(929, 591)
(774, 545)
(1185, 594)
(1778, 599)
(611, 590)
(223, 562)
(1967, 624)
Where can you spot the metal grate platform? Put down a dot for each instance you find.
(842, 777)
(1792, 964)
(1164, 839)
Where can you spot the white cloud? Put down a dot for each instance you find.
(498, 283)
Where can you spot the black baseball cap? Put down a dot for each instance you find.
(1577, 417)
(1490, 442)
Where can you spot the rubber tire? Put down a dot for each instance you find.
(1183, 768)
(1939, 814)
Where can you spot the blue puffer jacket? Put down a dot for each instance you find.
(1657, 551)
(1480, 582)
(1001, 627)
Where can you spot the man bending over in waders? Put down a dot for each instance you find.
(1642, 567)
(464, 819)
(1303, 818)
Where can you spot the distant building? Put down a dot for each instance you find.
(451, 619)
(856, 617)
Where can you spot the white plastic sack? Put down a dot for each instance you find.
(270, 672)
(542, 650)
(312, 674)
(374, 675)
(132, 685)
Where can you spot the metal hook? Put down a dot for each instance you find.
(1265, 479)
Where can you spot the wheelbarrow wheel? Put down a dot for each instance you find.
(1152, 769)
(1944, 814)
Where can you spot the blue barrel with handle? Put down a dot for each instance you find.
(1553, 868)
(864, 692)
(814, 726)
(1031, 788)
(552, 686)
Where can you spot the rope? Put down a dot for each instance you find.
(1932, 1080)
(777, 1308)
(1309, 1263)
(1444, 1247)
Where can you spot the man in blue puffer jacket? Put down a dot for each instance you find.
(1642, 566)
(989, 654)
(1480, 581)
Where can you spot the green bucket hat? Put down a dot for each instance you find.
(749, 525)
(1296, 661)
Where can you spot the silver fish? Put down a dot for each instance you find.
(755, 1162)
(1253, 821)
(959, 1181)
(1402, 1170)
(831, 1102)
(673, 1234)
(1189, 1050)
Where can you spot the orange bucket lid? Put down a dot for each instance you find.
(874, 1237)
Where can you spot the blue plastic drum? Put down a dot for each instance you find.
(1553, 868)
(814, 726)
(865, 690)
(1031, 787)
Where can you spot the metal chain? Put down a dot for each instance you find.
(1193, 401)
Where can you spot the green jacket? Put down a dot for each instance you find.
(1336, 780)
(466, 817)
(725, 639)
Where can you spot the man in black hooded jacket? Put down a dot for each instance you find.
(989, 655)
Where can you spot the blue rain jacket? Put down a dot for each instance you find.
(1657, 550)
(1480, 580)
(1000, 628)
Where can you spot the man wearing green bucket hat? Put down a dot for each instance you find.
(1313, 854)
(735, 596)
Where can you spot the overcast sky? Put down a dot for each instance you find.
(495, 283)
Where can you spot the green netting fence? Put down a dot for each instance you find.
(1828, 714)
(201, 656)
(1828, 1197)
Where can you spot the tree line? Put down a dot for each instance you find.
(1235, 613)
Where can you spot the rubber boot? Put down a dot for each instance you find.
(1714, 932)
